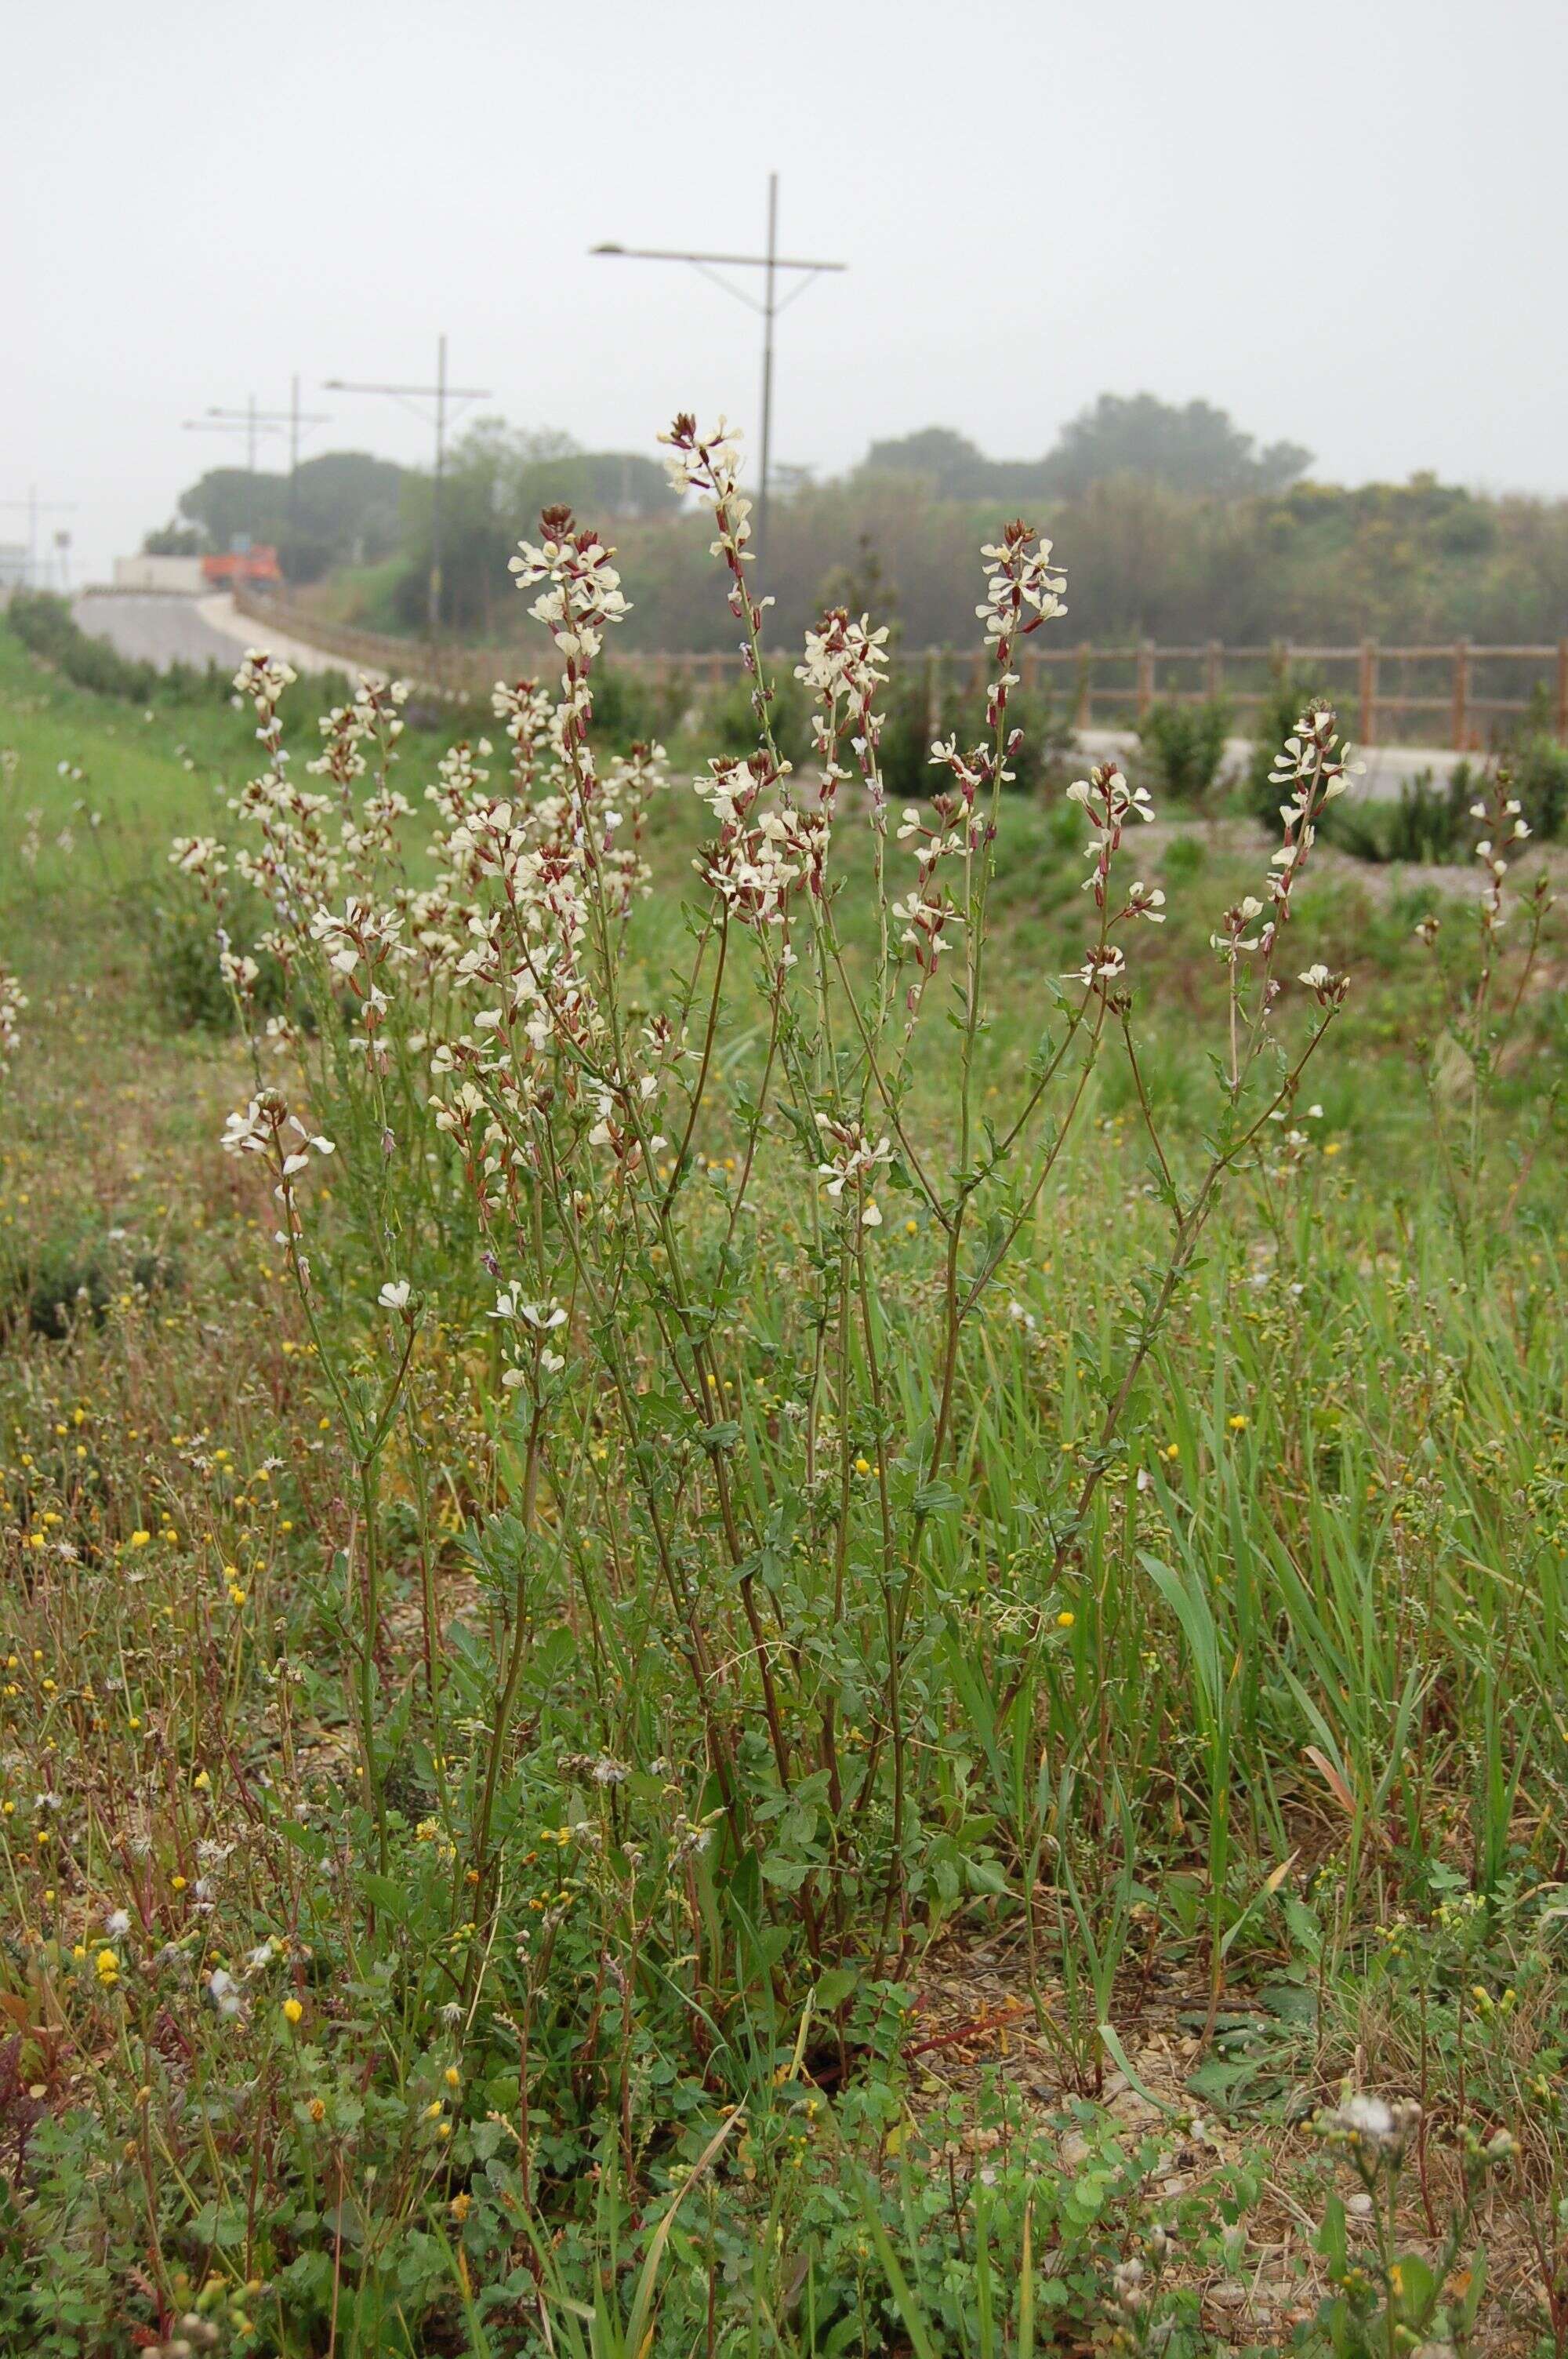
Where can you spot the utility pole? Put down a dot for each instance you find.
(254, 422)
(770, 264)
(769, 280)
(442, 394)
(35, 508)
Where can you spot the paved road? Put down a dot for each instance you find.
(154, 629)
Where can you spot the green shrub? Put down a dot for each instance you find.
(728, 719)
(1186, 856)
(1428, 823)
(1184, 744)
(908, 732)
(1431, 822)
(630, 708)
(71, 1279)
(1540, 769)
(182, 963)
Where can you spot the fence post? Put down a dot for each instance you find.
(1461, 695)
(1366, 729)
(1562, 689)
(1145, 676)
(933, 694)
(1213, 673)
(1084, 717)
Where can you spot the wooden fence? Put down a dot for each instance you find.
(1457, 695)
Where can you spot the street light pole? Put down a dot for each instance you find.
(434, 610)
(254, 423)
(770, 278)
(249, 422)
(770, 264)
(441, 393)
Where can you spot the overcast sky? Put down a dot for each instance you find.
(1342, 221)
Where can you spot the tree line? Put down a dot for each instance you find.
(1172, 522)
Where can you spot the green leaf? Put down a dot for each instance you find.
(934, 1499)
(1417, 2288)
(834, 1987)
(1110, 2041)
(392, 1899)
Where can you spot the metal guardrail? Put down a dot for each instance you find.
(1471, 686)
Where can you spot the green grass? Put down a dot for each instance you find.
(1252, 1779)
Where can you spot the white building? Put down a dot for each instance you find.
(178, 577)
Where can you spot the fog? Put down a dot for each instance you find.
(1342, 223)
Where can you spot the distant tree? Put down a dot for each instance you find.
(948, 465)
(350, 500)
(341, 508)
(862, 587)
(221, 503)
(1194, 448)
(173, 540)
(600, 484)
(497, 481)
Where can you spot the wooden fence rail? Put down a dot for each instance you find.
(1472, 692)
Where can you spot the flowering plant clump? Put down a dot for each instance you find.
(1484, 1002)
(11, 1002)
(1394, 2298)
(523, 1122)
